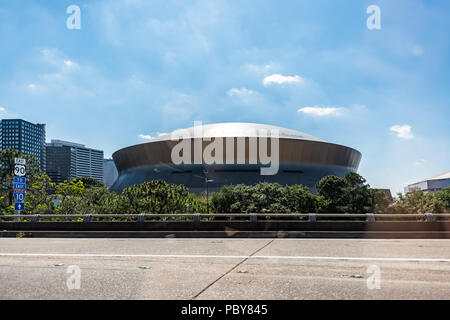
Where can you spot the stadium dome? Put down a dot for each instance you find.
(233, 153)
(237, 129)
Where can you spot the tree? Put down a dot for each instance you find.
(416, 202)
(443, 198)
(266, 198)
(332, 188)
(262, 198)
(68, 194)
(38, 199)
(357, 195)
(299, 199)
(159, 197)
(346, 195)
(380, 202)
(99, 200)
(89, 182)
(4, 208)
(354, 180)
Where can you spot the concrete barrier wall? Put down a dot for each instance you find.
(347, 226)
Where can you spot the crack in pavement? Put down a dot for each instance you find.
(233, 268)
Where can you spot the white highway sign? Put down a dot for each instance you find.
(20, 161)
(19, 170)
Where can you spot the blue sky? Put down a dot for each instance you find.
(137, 68)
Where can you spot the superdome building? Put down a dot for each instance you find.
(233, 153)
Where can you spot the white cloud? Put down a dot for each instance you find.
(257, 69)
(239, 92)
(245, 96)
(70, 64)
(146, 137)
(320, 111)
(280, 79)
(59, 74)
(149, 137)
(55, 58)
(403, 131)
(2, 109)
(419, 162)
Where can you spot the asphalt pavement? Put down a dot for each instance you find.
(174, 268)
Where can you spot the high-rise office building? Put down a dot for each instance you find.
(24, 136)
(68, 160)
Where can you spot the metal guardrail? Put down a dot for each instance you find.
(252, 217)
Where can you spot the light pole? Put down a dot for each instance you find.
(206, 185)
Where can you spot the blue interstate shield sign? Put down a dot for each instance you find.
(19, 206)
(19, 196)
(20, 180)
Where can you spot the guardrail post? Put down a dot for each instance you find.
(430, 217)
(87, 218)
(253, 217)
(196, 218)
(35, 218)
(370, 217)
(141, 218)
(312, 217)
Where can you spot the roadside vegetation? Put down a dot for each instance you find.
(87, 196)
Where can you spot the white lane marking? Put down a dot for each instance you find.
(99, 255)
(95, 255)
(356, 258)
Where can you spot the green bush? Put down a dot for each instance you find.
(416, 202)
(266, 198)
(159, 197)
(443, 198)
(346, 195)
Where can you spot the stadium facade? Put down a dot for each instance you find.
(301, 158)
(430, 185)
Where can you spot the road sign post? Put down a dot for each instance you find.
(19, 186)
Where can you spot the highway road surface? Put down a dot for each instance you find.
(174, 268)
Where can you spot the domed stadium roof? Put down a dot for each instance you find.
(235, 129)
(301, 158)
